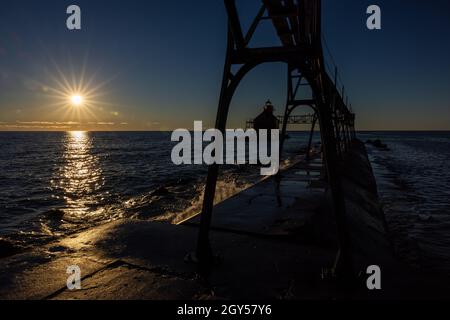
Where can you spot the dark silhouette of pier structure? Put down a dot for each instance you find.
(298, 26)
(297, 119)
(303, 119)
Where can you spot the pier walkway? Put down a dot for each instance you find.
(266, 251)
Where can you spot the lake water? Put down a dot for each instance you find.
(55, 183)
(414, 184)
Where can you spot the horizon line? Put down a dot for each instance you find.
(137, 130)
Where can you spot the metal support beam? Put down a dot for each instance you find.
(269, 54)
(311, 134)
(299, 28)
(235, 24)
(252, 29)
(229, 84)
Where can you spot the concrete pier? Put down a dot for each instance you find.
(267, 251)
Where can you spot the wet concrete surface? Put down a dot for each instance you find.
(267, 251)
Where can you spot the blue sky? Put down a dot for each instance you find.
(157, 65)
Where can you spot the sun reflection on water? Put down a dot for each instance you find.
(79, 176)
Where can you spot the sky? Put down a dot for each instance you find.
(157, 65)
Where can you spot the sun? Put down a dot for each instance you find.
(77, 96)
(76, 100)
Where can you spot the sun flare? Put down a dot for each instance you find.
(76, 100)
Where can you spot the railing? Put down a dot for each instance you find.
(332, 69)
(297, 119)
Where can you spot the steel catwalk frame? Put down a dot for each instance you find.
(298, 25)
